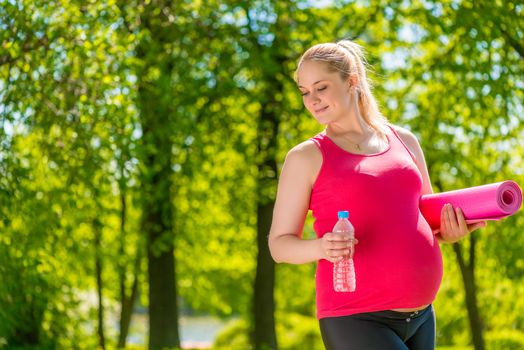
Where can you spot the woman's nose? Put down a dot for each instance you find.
(314, 98)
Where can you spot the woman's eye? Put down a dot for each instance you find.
(319, 89)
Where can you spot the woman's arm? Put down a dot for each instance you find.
(453, 225)
(298, 175)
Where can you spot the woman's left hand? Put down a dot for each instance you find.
(453, 226)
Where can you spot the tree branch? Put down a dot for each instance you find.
(26, 48)
(515, 44)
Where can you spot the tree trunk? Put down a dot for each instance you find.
(264, 335)
(467, 271)
(127, 306)
(157, 218)
(99, 282)
(157, 225)
(28, 334)
(264, 303)
(126, 301)
(156, 108)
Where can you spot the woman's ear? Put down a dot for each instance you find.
(354, 83)
(353, 80)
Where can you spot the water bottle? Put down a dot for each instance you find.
(344, 271)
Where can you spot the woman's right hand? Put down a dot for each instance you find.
(335, 246)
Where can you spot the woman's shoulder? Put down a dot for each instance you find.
(406, 135)
(305, 159)
(304, 151)
(411, 142)
(305, 156)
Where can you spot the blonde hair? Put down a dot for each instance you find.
(347, 58)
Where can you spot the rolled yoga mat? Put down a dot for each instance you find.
(487, 202)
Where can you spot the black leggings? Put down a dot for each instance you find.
(383, 330)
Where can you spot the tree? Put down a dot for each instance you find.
(156, 113)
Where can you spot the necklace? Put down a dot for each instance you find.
(368, 137)
(356, 145)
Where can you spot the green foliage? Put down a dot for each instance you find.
(297, 332)
(71, 144)
(294, 332)
(234, 336)
(505, 340)
(452, 322)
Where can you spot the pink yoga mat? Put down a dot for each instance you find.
(487, 202)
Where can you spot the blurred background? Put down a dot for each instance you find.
(141, 142)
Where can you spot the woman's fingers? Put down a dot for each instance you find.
(444, 219)
(462, 226)
(448, 223)
(337, 237)
(335, 253)
(477, 225)
(337, 245)
(453, 225)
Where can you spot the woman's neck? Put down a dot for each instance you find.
(355, 127)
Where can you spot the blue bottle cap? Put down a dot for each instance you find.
(343, 214)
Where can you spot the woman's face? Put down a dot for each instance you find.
(326, 96)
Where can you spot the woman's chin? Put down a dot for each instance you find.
(324, 120)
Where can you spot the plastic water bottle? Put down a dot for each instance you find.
(344, 271)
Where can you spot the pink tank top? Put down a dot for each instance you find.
(398, 263)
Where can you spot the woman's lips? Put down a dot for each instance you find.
(321, 109)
